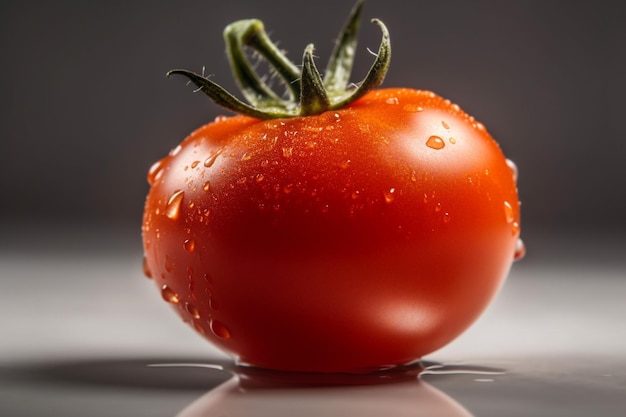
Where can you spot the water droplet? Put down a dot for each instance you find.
(444, 124)
(392, 100)
(355, 194)
(452, 140)
(345, 164)
(513, 168)
(246, 157)
(146, 269)
(192, 310)
(412, 108)
(287, 189)
(287, 152)
(212, 158)
(199, 328)
(438, 208)
(155, 172)
(169, 265)
(189, 245)
(259, 178)
(176, 150)
(515, 228)
(390, 195)
(220, 118)
(446, 217)
(219, 329)
(435, 142)
(508, 212)
(169, 295)
(479, 126)
(206, 186)
(413, 176)
(172, 209)
(520, 250)
(195, 164)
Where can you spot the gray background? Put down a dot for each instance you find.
(87, 108)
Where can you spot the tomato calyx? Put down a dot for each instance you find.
(308, 93)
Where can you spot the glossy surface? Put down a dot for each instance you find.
(361, 238)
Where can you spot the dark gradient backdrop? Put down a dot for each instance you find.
(86, 107)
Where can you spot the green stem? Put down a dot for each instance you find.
(314, 99)
(340, 64)
(308, 93)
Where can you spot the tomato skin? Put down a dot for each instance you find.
(344, 242)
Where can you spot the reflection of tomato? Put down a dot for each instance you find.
(245, 395)
(361, 237)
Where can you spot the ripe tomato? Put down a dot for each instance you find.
(361, 237)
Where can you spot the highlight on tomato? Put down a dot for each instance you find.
(338, 227)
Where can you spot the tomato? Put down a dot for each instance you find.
(354, 239)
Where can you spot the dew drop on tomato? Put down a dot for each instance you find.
(212, 158)
(219, 329)
(146, 269)
(206, 186)
(435, 142)
(508, 212)
(192, 310)
(169, 265)
(515, 228)
(169, 295)
(390, 195)
(198, 327)
(287, 152)
(172, 209)
(412, 108)
(392, 100)
(189, 245)
(513, 169)
(176, 150)
(520, 250)
(155, 172)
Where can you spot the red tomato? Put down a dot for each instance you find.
(351, 240)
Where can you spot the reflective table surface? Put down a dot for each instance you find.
(84, 333)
